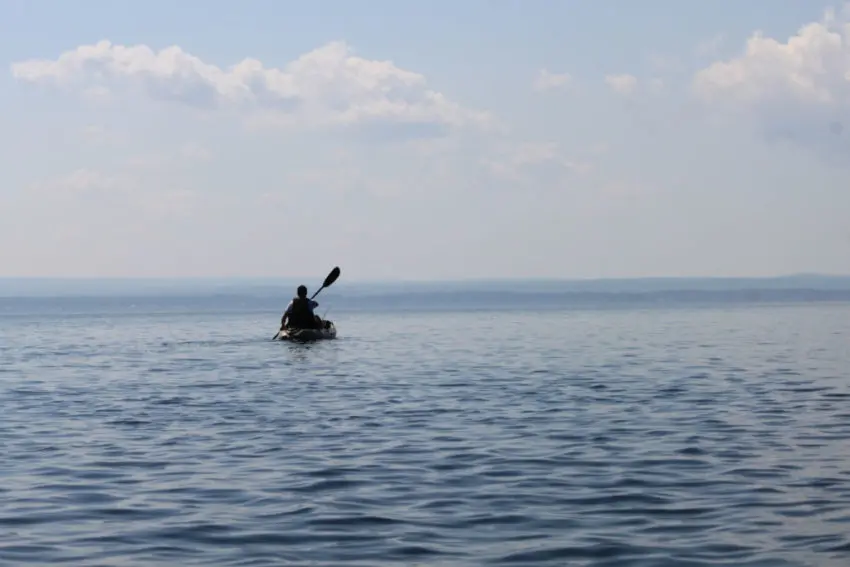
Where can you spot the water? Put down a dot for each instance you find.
(644, 437)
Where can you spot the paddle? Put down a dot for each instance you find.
(332, 277)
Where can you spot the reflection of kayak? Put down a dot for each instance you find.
(303, 335)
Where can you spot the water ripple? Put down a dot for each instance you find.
(650, 438)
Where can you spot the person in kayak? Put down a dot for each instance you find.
(299, 313)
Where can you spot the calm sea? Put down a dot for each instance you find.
(157, 431)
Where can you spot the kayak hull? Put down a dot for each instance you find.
(308, 335)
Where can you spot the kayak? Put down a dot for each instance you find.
(304, 335)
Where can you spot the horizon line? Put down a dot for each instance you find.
(480, 279)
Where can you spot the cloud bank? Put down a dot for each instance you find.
(798, 89)
(547, 80)
(327, 86)
(623, 84)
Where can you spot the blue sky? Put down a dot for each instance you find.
(430, 140)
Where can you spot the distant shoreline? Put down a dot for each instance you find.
(797, 285)
(512, 280)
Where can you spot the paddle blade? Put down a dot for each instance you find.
(332, 277)
(328, 280)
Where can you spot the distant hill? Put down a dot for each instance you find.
(70, 287)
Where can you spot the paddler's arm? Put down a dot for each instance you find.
(286, 313)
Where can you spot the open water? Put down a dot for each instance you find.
(629, 436)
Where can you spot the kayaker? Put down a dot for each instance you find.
(299, 313)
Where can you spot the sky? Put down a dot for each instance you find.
(424, 140)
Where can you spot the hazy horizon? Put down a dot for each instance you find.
(368, 281)
(205, 287)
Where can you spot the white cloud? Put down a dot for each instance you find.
(623, 84)
(535, 161)
(327, 86)
(798, 89)
(99, 192)
(812, 67)
(546, 80)
(80, 181)
(537, 153)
